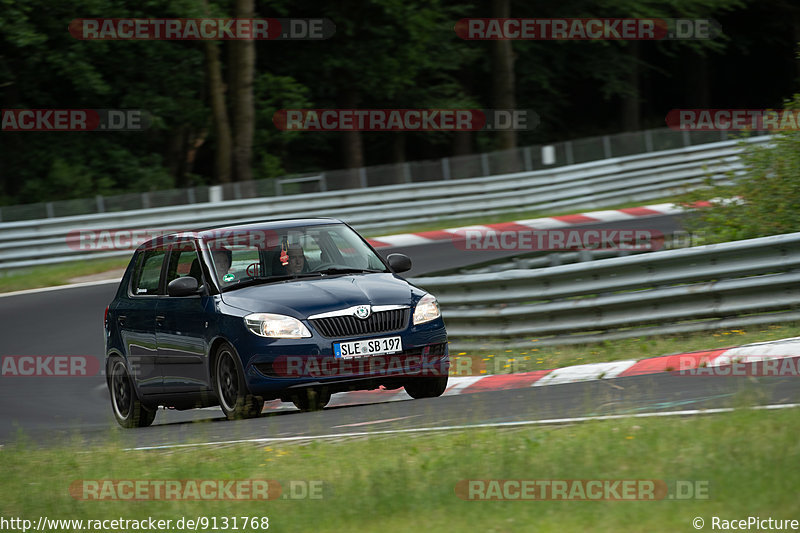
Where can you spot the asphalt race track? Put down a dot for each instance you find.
(69, 322)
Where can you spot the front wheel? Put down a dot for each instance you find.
(426, 387)
(128, 410)
(234, 398)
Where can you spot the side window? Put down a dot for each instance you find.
(183, 261)
(148, 273)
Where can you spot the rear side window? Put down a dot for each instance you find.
(147, 275)
(183, 261)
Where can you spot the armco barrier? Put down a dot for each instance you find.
(732, 284)
(589, 185)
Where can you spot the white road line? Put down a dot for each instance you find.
(552, 421)
(370, 422)
(61, 287)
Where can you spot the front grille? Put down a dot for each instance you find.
(350, 326)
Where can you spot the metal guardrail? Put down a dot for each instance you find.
(522, 159)
(596, 184)
(725, 285)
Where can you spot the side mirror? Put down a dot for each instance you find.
(185, 286)
(399, 262)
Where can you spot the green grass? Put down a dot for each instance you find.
(61, 274)
(407, 482)
(547, 357)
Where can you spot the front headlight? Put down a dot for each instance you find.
(427, 309)
(276, 326)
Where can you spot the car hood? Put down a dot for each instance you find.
(301, 298)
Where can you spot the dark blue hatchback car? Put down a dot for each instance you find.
(295, 310)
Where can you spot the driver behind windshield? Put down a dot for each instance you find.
(297, 260)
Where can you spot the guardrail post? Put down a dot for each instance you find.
(548, 155)
(1, 214)
(215, 193)
(362, 177)
(687, 141)
(145, 201)
(407, 172)
(278, 187)
(49, 208)
(446, 168)
(526, 154)
(648, 140)
(190, 195)
(568, 152)
(237, 190)
(323, 182)
(607, 146)
(485, 164)
(101, 208)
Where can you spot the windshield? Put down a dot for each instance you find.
(244, 257)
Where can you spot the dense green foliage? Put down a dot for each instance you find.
(386, 53)
(762, 201)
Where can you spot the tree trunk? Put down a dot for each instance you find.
(222, 128)
(631, 105)
(242, 64)
(352, 147)
(503, 75)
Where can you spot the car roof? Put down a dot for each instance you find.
(261, 225)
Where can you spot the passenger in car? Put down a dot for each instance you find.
(222, 261)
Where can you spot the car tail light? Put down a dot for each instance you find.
(105, 318)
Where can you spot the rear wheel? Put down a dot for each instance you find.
(234, 398)
(426, 387)
(311, 399)
(128, 410)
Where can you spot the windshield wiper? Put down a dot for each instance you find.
(348, 270)
(246, 282)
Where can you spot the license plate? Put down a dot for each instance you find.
(368, 347)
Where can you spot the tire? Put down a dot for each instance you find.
(128, 410)
(426, 387)
(311, 399)
(235, 400)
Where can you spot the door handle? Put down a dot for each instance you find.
(121, 320)
(160, 320)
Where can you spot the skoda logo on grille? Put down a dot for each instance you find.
(363, 311)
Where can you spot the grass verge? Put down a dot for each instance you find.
(61, 274)
(404, 483)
